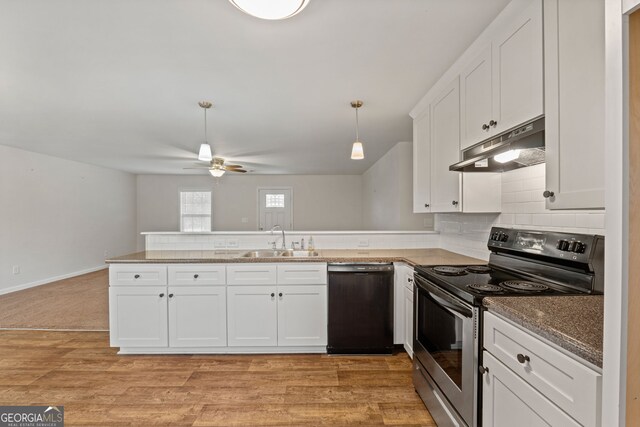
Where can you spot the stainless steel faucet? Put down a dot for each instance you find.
(284, 243)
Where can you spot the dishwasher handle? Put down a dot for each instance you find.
(359, 268)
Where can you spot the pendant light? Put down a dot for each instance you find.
(205, 149)
(270, 9)
(357, 151)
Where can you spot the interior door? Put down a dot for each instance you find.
(275, 208)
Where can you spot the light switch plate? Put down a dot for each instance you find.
(363, 243)
(219, 243)
(233, 243)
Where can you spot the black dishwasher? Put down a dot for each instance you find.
(360, 308)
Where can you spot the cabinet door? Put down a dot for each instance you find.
(399, 280)
(138, 316)
(445, 150)
(421, 164)
(475, 100)
(197, 316)
(518, 70)
(302, 315)
(252, 316)
(408, 321)
(574, 103)
(506, 400)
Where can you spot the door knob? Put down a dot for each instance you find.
(280, 294)
(523, 358)
(137, 276)
(483, 370)
(161, 295)
(454, 203)
(485, 126)
(426, 205)
(493, 123)
(548, 194)
(272, 295)
(195, 276)
(170, 295)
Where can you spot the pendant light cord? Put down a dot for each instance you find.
(357, 126)
(205, 125)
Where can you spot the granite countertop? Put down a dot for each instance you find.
(410, 256)
(575, 323)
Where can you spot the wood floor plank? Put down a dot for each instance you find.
(100, 388)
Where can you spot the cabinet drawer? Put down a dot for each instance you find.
(251, 274)
(569, 384)
(137, 274)
(197, 274)
(302, 274)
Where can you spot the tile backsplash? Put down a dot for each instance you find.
(522, 207)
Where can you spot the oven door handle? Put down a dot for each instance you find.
(445, 300)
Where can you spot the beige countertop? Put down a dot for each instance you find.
(410, 256)
(575, 323)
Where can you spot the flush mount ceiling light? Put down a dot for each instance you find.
(357, 151)
(271, 9)
(204, 153)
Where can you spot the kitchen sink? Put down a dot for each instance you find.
(280, 253)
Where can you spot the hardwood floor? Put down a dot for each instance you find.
(97, 387)
(77, 303)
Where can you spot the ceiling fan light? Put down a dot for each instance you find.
(205, 153)
(217, 173)
(357, 151)
(272, 9)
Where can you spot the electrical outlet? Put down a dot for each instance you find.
(233, 243)
(16, 269)
(363, 243)
(106, 253)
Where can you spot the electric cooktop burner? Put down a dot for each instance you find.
(519, 285)
(479, 269)
(449, 271)
(485, 287)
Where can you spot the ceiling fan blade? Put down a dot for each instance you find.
(237, 170)
(201, 167)
(234, 166)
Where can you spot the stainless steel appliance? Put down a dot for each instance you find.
(360, 308)
(516, 148)
(448, 309)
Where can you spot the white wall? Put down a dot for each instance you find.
(321, 202)
(387, 193)
(522, 207)
(58, 217)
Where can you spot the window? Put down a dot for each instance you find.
(195, 211)
(275, 201)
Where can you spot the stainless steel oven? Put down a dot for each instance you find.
(446, 353)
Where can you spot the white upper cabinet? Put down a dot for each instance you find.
(502, 86)
(445, 149)
(475, 97)
(574, 103)
(421, 166)
(517, 70)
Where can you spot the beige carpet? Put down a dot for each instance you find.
(78, 303)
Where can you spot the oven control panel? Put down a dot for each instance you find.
(568, 246)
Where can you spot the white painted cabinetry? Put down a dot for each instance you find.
(197, 316)
(403, 313)
(422, 163)
(138, 316)
(530, 379)
(574, 103)
(445, 149)
(288, 309)
(252, 315)
(408, 318)
(502, 86)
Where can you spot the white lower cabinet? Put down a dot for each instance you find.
(138, 316)
(197, 316)
(528, 379)
(408, 321)
(302, 315)
(507, 400)
(252, 316)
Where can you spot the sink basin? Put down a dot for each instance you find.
(293, 253)
(262, 254)
(280, 253)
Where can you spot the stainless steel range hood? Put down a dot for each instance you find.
(516, 148)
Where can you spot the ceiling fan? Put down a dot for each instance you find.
(217, 167)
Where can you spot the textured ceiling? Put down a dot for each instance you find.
(116, 83)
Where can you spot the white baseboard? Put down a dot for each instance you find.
(50, 279)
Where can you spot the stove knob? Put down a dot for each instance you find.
(563, 245)
(504, 237)
(572, 246)
(579, 248)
